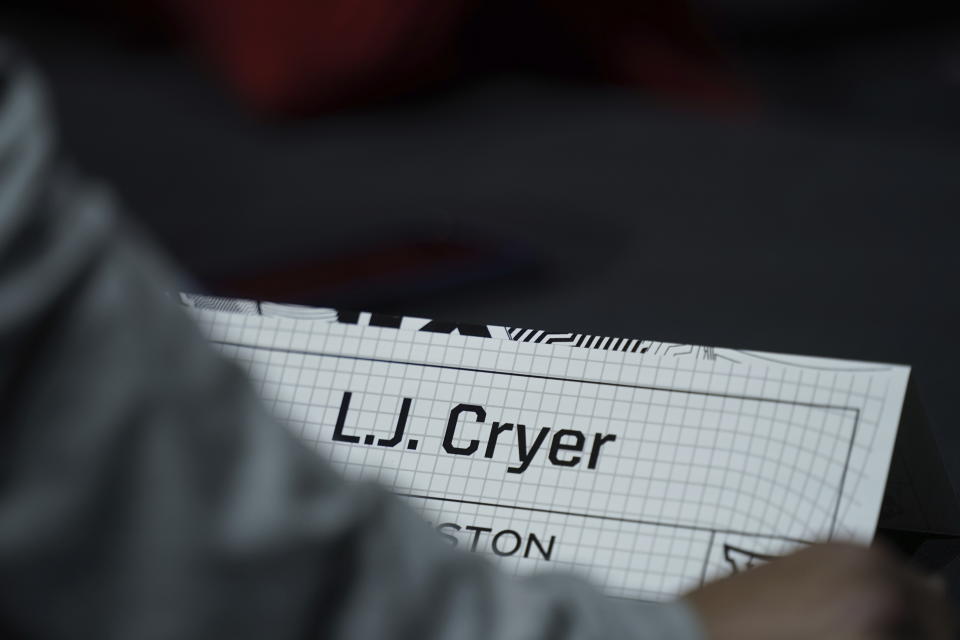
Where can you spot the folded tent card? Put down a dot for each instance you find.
(646, 466)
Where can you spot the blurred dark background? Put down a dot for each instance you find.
(771, 175)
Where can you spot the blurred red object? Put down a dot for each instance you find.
(303, 56)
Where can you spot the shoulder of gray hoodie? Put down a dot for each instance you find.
(146, 493)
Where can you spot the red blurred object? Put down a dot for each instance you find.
(302, 56)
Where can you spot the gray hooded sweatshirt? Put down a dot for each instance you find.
(145, 492)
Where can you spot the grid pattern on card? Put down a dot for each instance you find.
(708, 455)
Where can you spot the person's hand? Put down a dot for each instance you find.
(827, 592)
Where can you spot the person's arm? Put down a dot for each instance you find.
(146, 493)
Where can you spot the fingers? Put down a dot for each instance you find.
(925, 611)
(830, 591)
(928, 608)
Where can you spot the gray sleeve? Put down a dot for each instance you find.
(145, 493)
